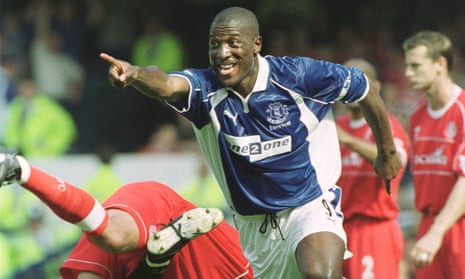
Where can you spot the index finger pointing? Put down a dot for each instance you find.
(110, 59)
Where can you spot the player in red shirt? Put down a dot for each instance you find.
(144, 230)
(374, 235)
(438, 157)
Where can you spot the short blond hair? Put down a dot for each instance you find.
(436, 43)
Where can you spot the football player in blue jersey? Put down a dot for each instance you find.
(266, 128)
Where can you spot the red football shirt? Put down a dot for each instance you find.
(363, 192)
(216, 254)
(438, 156)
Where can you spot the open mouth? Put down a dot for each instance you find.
(225, 69)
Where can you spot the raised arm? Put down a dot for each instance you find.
(151, 81)
(388, 162)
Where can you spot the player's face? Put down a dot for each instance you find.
(233, 55)
(420, 70)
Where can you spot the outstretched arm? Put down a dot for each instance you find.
(149, 80)
(388, 162)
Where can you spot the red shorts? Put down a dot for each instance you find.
(449, 262)
(377, 248)
(217, 254)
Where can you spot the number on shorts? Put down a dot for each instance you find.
(368, 262)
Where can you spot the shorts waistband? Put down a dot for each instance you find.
(260, 216)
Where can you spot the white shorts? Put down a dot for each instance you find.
(273, 257)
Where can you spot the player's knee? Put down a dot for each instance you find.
(112, 242)
(120, 235)
(322, 273)
(320, 256)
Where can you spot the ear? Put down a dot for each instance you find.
(257, 47)
(441, 61)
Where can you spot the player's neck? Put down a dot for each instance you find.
(441, 94)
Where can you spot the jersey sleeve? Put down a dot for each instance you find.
(329, 82)
(196, 108)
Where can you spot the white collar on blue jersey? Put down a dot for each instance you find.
(262, 77)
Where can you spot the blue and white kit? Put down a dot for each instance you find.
(277, 148)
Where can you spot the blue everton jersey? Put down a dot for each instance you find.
(277, 148)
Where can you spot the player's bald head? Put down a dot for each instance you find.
(363, 65)
(239, 17)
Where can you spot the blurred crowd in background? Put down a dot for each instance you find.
(55, 98)
(54, 45)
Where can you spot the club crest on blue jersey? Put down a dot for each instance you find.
(277, 113)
